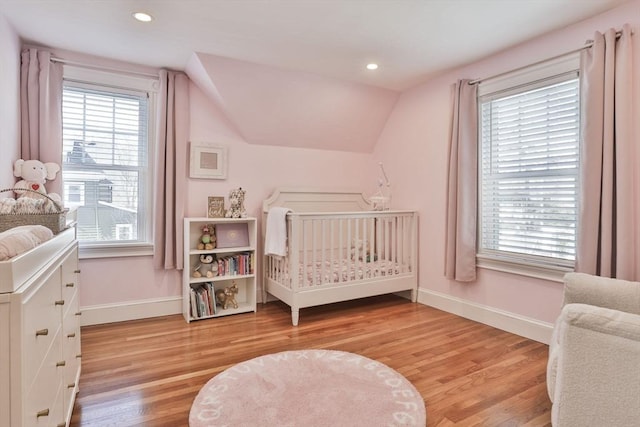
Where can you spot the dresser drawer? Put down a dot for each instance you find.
(44, 406)
(42, 316)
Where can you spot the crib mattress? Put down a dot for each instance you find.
(344, 271)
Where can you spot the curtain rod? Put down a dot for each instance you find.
(95, 67)
(587, 45)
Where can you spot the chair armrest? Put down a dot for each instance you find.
(615, 294)
(602, 320)
(597, 382)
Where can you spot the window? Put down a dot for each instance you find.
(528, 167)
(106, 167)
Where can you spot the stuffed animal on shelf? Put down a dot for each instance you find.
(236, 202)
(207, 239)
(206, 267)
(34, 174)
(227, 296)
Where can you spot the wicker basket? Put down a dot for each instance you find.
(55, 221)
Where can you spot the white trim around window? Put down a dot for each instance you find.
(512, 179)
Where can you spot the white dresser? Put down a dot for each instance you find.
(40, 334)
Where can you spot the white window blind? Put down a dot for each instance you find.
(105, 161)
(529, 162)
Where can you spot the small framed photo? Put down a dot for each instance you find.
(208, 161)
(215, 207)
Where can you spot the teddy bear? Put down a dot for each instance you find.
(207, 239)
(34, 174)
(206, 267)
(227, 296)
(236, 200)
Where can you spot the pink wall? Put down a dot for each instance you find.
(9, 103)
(414, 148)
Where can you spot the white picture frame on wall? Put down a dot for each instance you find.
(208, 161)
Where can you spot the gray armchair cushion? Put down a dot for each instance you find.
(604, 292)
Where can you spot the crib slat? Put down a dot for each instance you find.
(394, 239)
(372, 241)
(341, 245)
(349, 243)
(332, 230)
(400, 244)
(297, 235)
(322, 249)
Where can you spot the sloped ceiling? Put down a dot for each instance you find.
(274, 106)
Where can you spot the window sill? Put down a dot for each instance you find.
(544, 272)
(89, 251)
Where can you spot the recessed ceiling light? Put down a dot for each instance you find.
(372, 66)
(142, 17)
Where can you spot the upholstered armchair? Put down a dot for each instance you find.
(593, 375)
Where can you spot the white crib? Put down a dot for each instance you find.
(339, 250)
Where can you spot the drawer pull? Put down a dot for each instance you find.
(72, 385)
(62, 425)
(71, 335)
(79, 313)
(42, 332)
(79, 355)
(61, 363)
(70, 285)
(76, 271)
(60, 302)
(43, 413)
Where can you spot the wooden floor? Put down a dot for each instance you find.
(147, 372)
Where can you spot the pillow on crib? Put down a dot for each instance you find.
(20, 239)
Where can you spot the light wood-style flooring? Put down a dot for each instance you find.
(147, 372)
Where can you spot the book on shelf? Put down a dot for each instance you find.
(203, 300)
(237, 264)
(194, 304)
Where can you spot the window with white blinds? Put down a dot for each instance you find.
(106, 168)
(529, 160)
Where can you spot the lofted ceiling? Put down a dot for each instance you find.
(285, 46)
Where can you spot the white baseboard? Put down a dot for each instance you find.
(504, 320)
(131, 310)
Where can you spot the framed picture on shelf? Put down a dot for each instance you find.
(208, 161)
(215, 207)
(232, 235)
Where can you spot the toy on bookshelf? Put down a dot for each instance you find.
(227, 296)
(206, 267)
(236, 200)
(207, 239)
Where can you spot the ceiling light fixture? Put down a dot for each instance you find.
(142, 17)
(372, 66)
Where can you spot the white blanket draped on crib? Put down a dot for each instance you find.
(276, 234)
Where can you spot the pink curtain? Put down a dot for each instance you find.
(608, 221)
(171, 169)
(460, 252)
(41, 111)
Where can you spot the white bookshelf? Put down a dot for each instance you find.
(240, 262)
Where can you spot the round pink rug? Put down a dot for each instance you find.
(308, 388)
